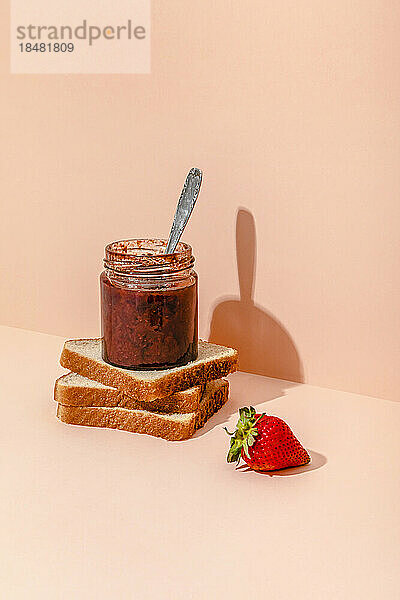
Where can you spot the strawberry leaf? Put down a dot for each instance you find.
(228, 432)
(246, 448)
(234, 451)
(244, 436)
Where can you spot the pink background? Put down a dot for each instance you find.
(292, 111)
(95, 514)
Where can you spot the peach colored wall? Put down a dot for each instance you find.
(292, 111)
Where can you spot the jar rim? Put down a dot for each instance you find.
(147, 254)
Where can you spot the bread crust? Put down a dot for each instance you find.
(177, 380)
(154, 424)
(74, 395)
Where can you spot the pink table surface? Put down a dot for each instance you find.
(93, 513)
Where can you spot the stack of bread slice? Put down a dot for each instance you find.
(171, 404)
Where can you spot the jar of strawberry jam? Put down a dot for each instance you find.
(148, 305)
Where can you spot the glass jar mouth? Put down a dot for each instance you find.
(146, 257)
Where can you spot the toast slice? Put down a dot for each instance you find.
(75, 390)
(173, 427)
(213, 362)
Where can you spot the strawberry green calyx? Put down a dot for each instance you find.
(245, 434)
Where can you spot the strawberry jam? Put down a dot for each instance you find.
(149, 305)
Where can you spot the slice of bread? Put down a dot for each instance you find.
(172, 427)
(75, 390)
(213, 362)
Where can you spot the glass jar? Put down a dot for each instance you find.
(148, 305)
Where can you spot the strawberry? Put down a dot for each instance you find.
(265, 443)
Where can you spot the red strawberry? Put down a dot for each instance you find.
(265, 443)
